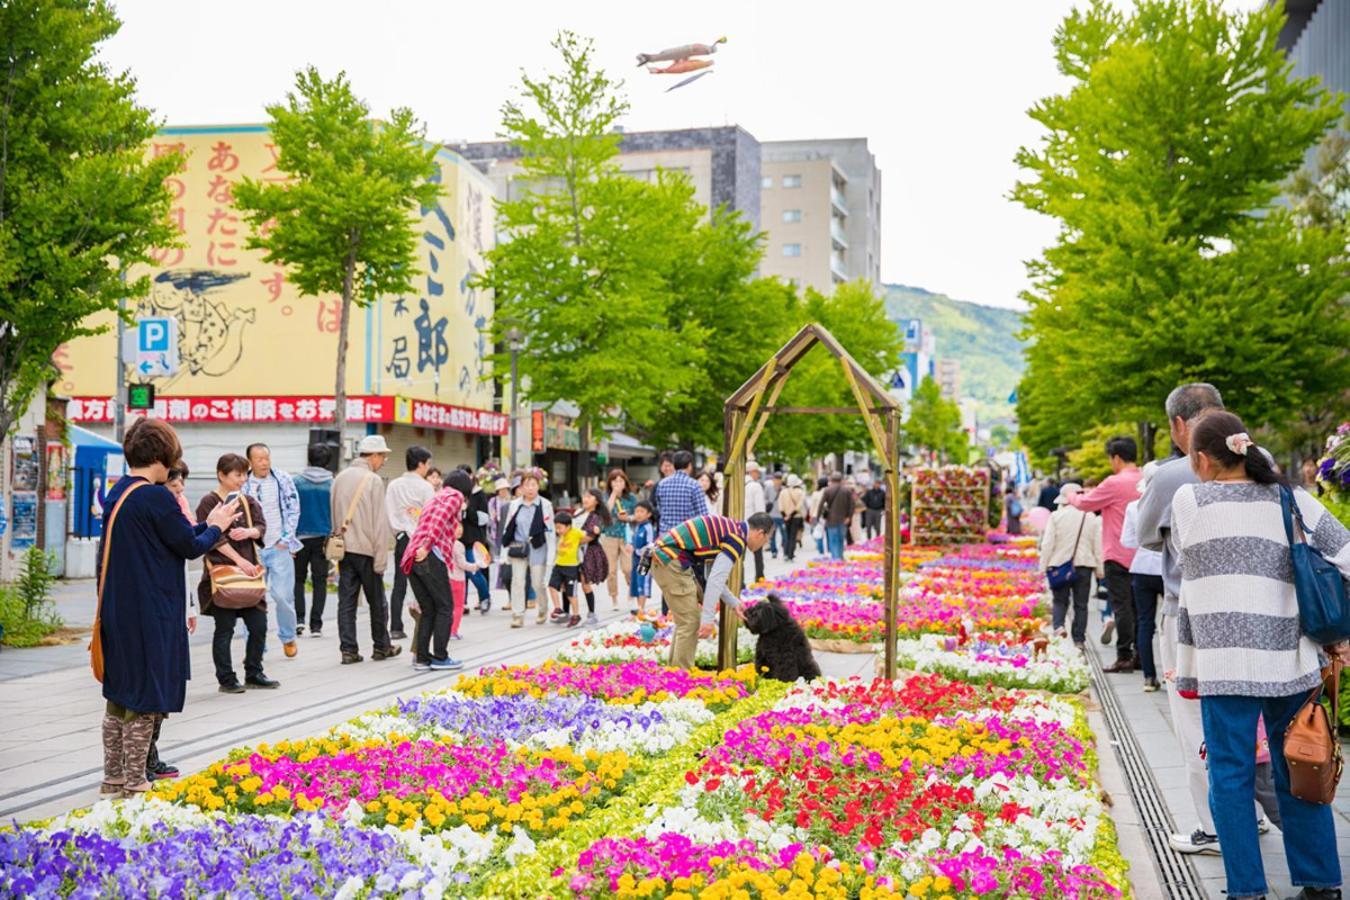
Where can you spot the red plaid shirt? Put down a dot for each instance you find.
(435, 528)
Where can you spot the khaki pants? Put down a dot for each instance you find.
(519, 569)
(618, 560)
(682, 595)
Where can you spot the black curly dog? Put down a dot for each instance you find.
(783, 652)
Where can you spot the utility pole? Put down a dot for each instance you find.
(514, 337)
(119, 389)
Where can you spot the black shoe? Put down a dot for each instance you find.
(161, 769)
(387, 652)
(299, 629)
(397, 635)
(232, 687)
(1311, 893)
(262, 682)
(349, 658)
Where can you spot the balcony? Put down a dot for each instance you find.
(837, 201)
(837, 236)
(837, 268)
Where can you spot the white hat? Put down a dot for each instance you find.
(1067, 491)
(372, 443)
(794, 481)
(501, 484)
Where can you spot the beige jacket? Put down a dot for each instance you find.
(369, 533)
(1061, 532)
(792, 502)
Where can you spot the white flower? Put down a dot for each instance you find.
(521, 845)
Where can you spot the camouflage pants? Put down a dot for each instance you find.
(127, 736)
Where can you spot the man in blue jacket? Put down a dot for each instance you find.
(314, 487)
(275, 492)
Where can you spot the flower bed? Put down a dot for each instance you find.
(625, 642)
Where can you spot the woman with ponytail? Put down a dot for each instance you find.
(1240, 649)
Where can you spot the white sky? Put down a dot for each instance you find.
(940, 89)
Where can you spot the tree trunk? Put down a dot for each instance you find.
(344, 326)
(1147, 433)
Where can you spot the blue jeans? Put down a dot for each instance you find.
(280, 567)
(1146, 589)
(836, 537)
(779, 529)
(1309, 829)
(477, 579)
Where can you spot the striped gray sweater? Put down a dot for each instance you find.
(1237, 627)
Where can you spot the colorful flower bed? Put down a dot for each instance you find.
(604, 774)
(627, 641)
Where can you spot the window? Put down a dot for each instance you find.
(792, 181)
(766, 182)
(792, 249)
(792, 215)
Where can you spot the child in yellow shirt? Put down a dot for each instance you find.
(562, 583)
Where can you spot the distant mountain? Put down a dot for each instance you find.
(983, 338)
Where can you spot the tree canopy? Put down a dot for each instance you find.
(79, 202)
(345, 223)
(934, 424)
(1172, 263)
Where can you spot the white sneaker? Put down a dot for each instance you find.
(1195, 842)
(592, 621)
(1263, 825)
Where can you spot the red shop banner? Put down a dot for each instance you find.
(299, 410)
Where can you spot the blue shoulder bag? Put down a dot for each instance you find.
(1064, 573)
(1323, 613)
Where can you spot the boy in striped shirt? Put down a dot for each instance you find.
(718, 539)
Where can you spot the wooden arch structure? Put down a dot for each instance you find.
(747, 412)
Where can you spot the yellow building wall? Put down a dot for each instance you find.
(244, 329)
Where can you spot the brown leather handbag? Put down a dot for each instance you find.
(1312, 748)
(96, 640)
(230, 587)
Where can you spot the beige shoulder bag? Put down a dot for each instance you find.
(335, 548)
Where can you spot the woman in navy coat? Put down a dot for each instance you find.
(144, 635)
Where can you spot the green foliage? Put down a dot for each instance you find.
(26, 612)
(346, 221)
(856, 316)
(79, 203)
(982, 338)
(1181, 122)
(587, 275)
(934, 424)
(1088, 461)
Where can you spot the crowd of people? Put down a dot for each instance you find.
(1201, 537)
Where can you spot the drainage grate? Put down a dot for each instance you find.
(1179, 880)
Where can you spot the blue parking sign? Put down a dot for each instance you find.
(154, 335)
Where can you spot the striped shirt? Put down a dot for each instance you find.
(1237, 623)
(703, 538)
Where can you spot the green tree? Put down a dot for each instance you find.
(1172, 263)
(934, 423)
(585, 275)
(856, 315)
(346, 221)
(1088, 459)
(745, 321)
(79, 202)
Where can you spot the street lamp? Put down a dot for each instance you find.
(513, 339)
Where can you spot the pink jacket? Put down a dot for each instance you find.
(460, 565)
(1110, 499)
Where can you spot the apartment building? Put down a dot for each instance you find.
(820, 202)
(722, 163)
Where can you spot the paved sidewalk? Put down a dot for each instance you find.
(51, 753)
(1148, 718)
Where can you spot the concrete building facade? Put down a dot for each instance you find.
(821, 207)
(723, 163)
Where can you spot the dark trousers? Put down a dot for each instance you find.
(871, 522)
(310, 561)
(794, 533)
(1146, 589)
(759, 564)
(400, 583)
(356, 575)
(430, 582)
(1121, 597)
(255, 620)
(1079, 589)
